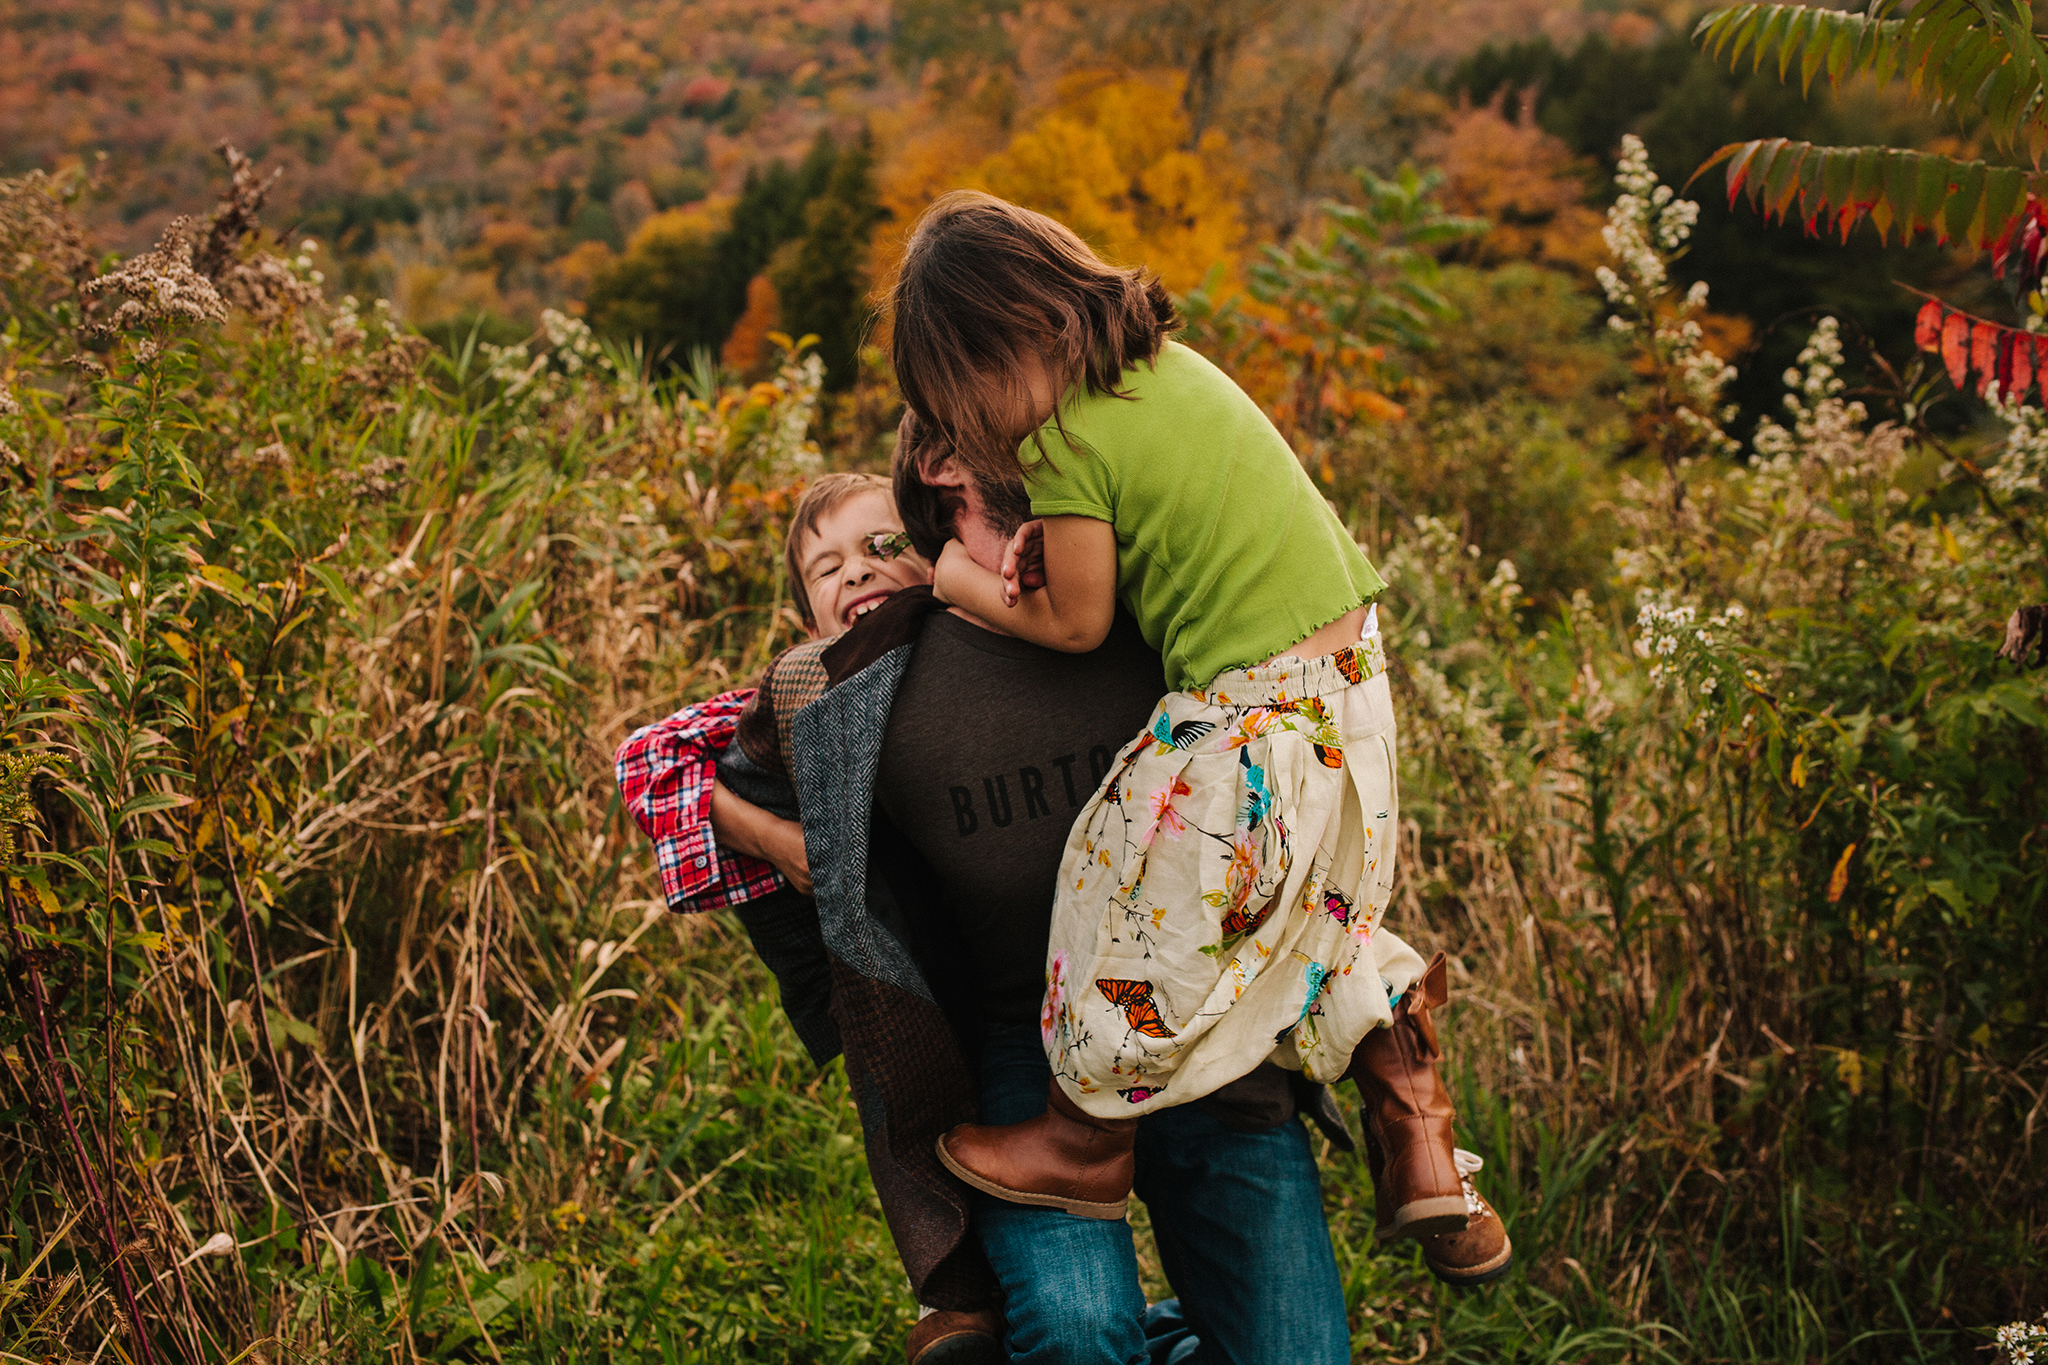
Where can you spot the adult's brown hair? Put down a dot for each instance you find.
(986, 287)
(929, 514)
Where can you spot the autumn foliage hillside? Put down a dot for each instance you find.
(569, 120)
(491, 157)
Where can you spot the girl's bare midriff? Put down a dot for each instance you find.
(1343, 631)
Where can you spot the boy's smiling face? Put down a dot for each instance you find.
(857, 559)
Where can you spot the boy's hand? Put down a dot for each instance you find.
(1024, 562)
(786, 853)
(744, 827)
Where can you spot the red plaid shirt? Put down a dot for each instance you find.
(665, 772)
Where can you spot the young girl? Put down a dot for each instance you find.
(1219, 894)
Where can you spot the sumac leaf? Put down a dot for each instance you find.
(1927, 326)
(1928, 194)
(1901, 183)
(1961, 209)
(1955, 348)
(2019, 365)
(1984, 353)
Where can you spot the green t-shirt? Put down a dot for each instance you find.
(1225, 552)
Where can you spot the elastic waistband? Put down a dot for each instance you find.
(1287, 679)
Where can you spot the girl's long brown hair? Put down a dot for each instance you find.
(985, 286)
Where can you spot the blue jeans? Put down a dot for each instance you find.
(1239, 1222)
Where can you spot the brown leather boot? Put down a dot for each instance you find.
(1481, 1253)
(1408, 1114)
(948, 1337)
(1065, 1159)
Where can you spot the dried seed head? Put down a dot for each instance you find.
(2026, 630)
(235, 217)
(38, 234)
(266, 287)
(161, 285)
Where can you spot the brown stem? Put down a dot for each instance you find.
(76, 1142)
(269, 1044)
(477, 1015)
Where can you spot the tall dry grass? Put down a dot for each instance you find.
(326, 920)
(344, 1023)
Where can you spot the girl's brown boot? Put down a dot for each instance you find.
(1483, 1252)
(1408, 1114)
(1066, 1159)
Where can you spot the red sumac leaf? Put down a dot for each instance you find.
(2019, 365)
(1955, 348)
(1927, 326)
(1984, 353)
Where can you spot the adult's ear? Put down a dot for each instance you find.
(925, 511)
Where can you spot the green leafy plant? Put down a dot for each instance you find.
(1979, 58)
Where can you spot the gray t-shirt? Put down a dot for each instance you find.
(994, 745)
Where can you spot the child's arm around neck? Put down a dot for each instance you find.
(1071, 613)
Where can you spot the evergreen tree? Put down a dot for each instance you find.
(678, 287)
(769, 213)
(824, 284)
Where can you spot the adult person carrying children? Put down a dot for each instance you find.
(905, 1049)
(923, 975)
(934, 824)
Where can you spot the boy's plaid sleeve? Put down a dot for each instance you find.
(665, 772)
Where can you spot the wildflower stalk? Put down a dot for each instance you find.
(53, 1074)
(1646, 229)
(269, 1045)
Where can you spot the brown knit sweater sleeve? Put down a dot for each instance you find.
(793, 681)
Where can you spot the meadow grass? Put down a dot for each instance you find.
(345, 1022)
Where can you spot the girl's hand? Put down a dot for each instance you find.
(1024, 562)
(953, 561)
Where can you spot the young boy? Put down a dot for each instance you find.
(846, 553)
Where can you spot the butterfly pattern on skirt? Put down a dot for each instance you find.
(1134, 998)
(1233, 788)
(1314, 976)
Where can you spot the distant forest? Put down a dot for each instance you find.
(696, 174)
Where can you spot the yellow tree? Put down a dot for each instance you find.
(1111, 157)
(1112, 160)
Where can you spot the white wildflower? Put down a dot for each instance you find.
(2021, 462)
(1505, 585)
(1646, 225)
(2020, 1340)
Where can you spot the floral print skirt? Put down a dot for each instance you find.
(1221, 894)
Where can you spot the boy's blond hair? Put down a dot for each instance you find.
(821, 497)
